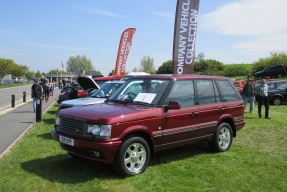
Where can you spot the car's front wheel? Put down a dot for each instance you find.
(277, 101)
(279, 75)
(133, 157)
(222, 138)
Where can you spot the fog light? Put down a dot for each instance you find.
(94, 153)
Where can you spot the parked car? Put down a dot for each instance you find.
(80, 88)
(239, 84)
(278, 95)
(272, 71)
(101, 80)
(95, 96)
(148, 114)
(273, 84)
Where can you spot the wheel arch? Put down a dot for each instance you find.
(143, 135)
(231, 123)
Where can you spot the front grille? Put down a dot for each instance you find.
(72, 126)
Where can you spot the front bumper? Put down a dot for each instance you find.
(85, 148)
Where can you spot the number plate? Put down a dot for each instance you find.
(66, 140)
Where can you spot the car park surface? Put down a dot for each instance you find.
(149, 114)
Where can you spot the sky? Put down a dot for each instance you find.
(42, 34)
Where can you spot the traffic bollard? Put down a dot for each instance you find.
(38, 109)
(24, 96)
(13, 101)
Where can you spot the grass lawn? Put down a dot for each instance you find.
(257, 161)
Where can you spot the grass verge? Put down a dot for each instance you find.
(257, 161)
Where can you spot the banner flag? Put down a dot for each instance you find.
(123, 51)
(62, 65)
(185, 28)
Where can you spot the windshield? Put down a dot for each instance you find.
(141, 91)
(106, 90)
(282, 87)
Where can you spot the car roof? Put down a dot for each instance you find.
(176, 76)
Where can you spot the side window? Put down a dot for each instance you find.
(227, 91)
(182, 91)
(206, 94)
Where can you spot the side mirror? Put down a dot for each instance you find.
(172, 105)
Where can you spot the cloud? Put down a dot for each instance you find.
(248, 18)
(100, 12)
(164, 14)
(248, 30)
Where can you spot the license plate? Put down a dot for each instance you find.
(66, 140)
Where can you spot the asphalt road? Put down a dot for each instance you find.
(6, 95)
(14, 122)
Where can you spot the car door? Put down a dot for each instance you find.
(180, 125)
(210, 107)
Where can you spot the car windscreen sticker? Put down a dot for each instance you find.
(122, 97)
(145, 97)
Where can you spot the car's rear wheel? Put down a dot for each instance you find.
(222, 138)
(279, 75)
(277, 101)
(133, 157)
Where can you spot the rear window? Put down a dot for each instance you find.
(227, 91)
(206, 92)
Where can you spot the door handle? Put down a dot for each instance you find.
(194, 114)
(220, 110)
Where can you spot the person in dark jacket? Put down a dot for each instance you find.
(249, 94)
(262, 99)
(37, 92)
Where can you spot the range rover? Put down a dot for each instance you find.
(151, 113)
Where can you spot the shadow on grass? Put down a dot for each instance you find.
(49, 121)
(63, 169)
(180, 153)
(46, 136)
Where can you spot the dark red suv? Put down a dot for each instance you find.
(152, 113)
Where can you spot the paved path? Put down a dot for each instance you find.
(14, 122)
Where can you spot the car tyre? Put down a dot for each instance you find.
(279, 75)
(133, 157)
(277, 101)
(222, 138)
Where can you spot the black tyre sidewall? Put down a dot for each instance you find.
(277, 98)
(119, 165)
(214, 144)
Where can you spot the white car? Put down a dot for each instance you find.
(95, 96)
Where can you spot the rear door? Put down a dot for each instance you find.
(210, 107)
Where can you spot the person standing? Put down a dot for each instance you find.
(43, 83)
(47, 91)
(37, 92)
(249, 94)
(262, 99)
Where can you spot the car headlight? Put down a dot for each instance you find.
(101, 131)
(57, 120)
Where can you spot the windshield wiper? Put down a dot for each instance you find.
(143, 103)
(118, 101)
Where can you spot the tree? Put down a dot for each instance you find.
(6, 66)
(165, 68)
(79, 64)
(147, 65)
(38, 75)
(275, 58)
(57, 71)
(19, 70)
